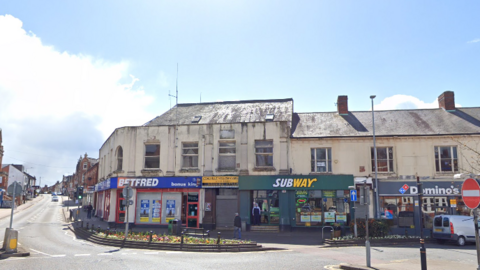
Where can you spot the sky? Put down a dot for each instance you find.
(73, 71)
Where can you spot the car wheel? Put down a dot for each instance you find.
(461, 241)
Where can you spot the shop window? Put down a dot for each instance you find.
(227, 155)
(321, 159)
(152, 156)
(384, 159)
(119, 158)
(268, 203)
(264, 153)
(392, 208)
(446, 159)
(190, 155)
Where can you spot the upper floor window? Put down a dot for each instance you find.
(152, 156)
(119, 158)
(264, 153)
(227, 155)
(384, 159)
(85, 165)
(446, 159)
(190, 155)
(321, 159)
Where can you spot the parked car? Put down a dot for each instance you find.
(460, 229)
(54, 198)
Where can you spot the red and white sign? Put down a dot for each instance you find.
(471, 193)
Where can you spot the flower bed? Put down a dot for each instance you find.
(169, 239)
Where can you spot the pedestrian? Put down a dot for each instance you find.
(89, 211)
(256, 214)
(237, 226)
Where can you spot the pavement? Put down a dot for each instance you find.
(297, 241)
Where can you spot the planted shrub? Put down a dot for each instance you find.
(376, 227)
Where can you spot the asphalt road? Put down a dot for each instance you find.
(43, 231)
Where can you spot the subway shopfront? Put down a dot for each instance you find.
(296, 200)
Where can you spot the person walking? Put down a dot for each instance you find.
(256, 214)
(89, 211)
(237, 226)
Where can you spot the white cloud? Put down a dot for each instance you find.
(474, 41)
(39, 83)
(399, 102)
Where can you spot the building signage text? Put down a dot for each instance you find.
(430, 191)
(295, 182)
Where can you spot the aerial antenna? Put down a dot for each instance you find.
(176, 107)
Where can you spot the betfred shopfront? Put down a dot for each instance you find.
(399, 203)
(157, 200)
(296, 200)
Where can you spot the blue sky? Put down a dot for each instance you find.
(80, 69)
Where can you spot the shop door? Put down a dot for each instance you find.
(192, 210)
(269, 206)
(121, 207)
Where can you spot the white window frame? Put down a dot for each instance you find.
(327, 160)
(438, 160)
(229, 151)
(390, 167)
(186, 149)
(85, 165)
(263, 154)
(145, 157)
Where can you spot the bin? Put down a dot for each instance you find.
(170, 227)
(176, 227)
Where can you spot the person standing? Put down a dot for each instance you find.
(237, 226)
(89, 211)
(256, 214)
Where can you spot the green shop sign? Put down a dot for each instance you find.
(295, 182)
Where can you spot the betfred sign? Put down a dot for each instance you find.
(471, 193)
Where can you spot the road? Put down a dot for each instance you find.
(43, 231)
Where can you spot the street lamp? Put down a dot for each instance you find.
(377, 202)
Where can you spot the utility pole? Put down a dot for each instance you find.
(367, 240)
(423, 250)
(127, 204)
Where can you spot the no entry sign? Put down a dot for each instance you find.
(471, 193)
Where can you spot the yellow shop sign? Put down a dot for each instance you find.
(220, 181)
(295, 182)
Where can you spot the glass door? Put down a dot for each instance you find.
(268, 203)
(192, 209)
(121, 203)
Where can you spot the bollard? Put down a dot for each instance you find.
(82, 224)
(98, 230)
(218, 238)
(87, 226)
(151, 236)
(181, 242)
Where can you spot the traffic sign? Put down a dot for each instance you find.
(353, 195)
(130, 202)
(15, 188)
(471, 193)
(130, 192)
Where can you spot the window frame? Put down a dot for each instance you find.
(264, 154)
(145, 156)
(186, 155)
(315, 160)
(85, 165)
(120, 158)
(227, 155)
(389, 160)
(453, 159)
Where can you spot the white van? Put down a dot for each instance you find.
(460, 229)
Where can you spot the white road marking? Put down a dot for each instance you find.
(80, 255)
(39, 252)
(173, 252)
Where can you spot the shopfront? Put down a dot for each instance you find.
(399, 203)
(296, 200)
(221, 201)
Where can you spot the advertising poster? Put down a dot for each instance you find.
(144, 210)
(305, 217)
(330, 217)
(388, 214)
(341, 218)
(156, 206)
(317, 217)
(170, 210)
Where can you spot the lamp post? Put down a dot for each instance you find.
(377, 202)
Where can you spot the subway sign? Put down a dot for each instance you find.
(295, 182)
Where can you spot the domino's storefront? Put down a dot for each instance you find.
(400, 206)
(155, 200)
(296, 200)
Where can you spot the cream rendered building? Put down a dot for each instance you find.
(423, 142)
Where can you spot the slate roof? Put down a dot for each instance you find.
(418, 122)
(246, 111)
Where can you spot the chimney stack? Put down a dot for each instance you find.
(447, 101)
(342, 105)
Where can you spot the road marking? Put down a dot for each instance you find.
(80, 255)
(128, 253)
(62, 255)
(39, 252)
(173, 252)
